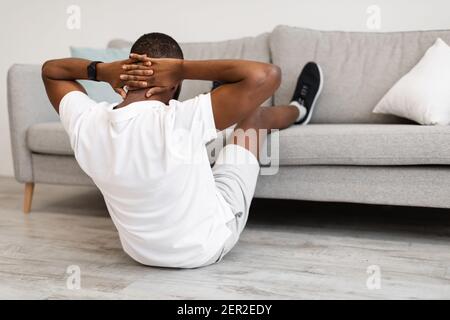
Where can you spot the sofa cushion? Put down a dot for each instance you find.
(317, 144)
(359, 68)
(365, 144)
(423, 94)
(49, 138)
(249, 48)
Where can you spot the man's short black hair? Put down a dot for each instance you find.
(157, 45)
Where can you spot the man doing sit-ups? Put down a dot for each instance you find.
(147, 155)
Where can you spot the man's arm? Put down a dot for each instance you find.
(60, 76)
(247, 83)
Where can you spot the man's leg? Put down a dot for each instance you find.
(236, 170)
(247, 132)
(300, 109)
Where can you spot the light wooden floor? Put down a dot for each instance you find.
(289, 250)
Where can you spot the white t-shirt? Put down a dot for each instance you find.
(149, 160)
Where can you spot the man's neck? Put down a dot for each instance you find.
(137, 96)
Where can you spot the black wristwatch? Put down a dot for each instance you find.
(92, 70)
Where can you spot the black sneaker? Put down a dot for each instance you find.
(308, 89)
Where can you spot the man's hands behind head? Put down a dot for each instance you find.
(159, 75)
(140, 72)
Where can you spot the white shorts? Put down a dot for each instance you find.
(236, 171)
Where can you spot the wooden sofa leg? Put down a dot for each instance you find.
(28, 197)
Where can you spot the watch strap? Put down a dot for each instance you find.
(92, 70)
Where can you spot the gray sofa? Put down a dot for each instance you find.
(347, 154)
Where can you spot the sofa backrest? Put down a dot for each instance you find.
(359, 68)
(249, 48)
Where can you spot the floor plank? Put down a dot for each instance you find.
(289, 250)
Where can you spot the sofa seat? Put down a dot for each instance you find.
(316, 144)
(365, 144)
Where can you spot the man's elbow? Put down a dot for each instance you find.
(47, 69)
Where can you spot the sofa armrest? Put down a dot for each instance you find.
(27, 104)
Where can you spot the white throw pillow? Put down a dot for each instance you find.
(423, 94)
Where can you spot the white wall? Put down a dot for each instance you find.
(33, 31)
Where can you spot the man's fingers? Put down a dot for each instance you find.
(136, 66)
(155, 90)
(137, 84)
(126, 77)
(121, 91)
(139, 57)
(138, 72)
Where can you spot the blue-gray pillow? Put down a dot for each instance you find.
(99, 91)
